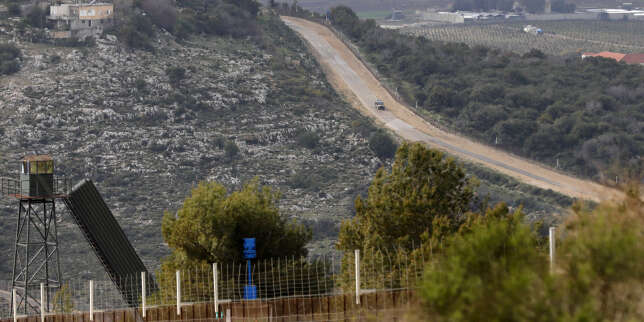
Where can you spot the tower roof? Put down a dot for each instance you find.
(41, 157)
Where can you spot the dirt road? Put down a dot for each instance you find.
(349, 76)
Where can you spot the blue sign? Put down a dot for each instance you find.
(250, 292)
(249, 248)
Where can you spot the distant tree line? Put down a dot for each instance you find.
(587, 115)
(235, 18)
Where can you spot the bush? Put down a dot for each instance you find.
(382, 145)
(307, 139)
(495, 272)
(163, 13)
(9, 55)
(14, 9)
(495, 269)
(136, 32)
(224, 18)
(231, 150)
(37, 17)
(176, 75)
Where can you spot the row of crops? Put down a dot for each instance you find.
(559, 37)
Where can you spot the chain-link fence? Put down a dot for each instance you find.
(275, 278)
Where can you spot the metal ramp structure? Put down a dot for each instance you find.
(36, 259)
(107, 239)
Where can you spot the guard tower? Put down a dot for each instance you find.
(36, 260)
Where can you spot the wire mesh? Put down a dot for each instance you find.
(274, 278)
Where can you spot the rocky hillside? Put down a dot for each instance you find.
(146, 127)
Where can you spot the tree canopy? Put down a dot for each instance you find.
(497, 269)
(212, 223)
(210, 228)
(422, 199)
(422, 189)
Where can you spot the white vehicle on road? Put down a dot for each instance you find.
(379, 105)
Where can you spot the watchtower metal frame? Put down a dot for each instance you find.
(36, 258)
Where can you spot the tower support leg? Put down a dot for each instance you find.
(36, 259)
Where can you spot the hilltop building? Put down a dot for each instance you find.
(80, 20)
(636, 59)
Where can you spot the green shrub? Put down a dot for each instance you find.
(382, 145)
(231, 150)
(36, 17)
(495, 269)
(9, 55)
(495, 272)
(307, 139)
(176, 75)
(14, 9)
(140, 84)
(136, 32)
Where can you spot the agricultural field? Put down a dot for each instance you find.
(558, 38)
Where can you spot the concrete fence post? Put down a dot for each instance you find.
(215, 287)
(91, 300)
(143, 281)
(357, 258)
(14, 305)
(42, 302)
(228, 316)
(178, 293)
(551, 241)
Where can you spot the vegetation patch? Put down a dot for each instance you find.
(584, 116)
(9, 59)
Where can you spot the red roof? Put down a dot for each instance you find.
(606, 54)
(634, 59)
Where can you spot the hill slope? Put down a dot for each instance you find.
(147, 126)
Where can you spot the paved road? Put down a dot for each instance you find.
(349, 76)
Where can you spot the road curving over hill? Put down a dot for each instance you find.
(350, 77)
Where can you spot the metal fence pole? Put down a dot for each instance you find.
(42, 302)
(14, 305)
(551, 239)
(178, 293)
(357, 258)
(143, 293)
(215, 287)
(91, 300)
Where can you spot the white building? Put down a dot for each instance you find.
(80, 20)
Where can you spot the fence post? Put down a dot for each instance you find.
(14, 305)
(143, 281)
(91, 300)
(178, 293)
(215, 287)
(551, 240)
(357, 258)
(228, 316)
(42, 302)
